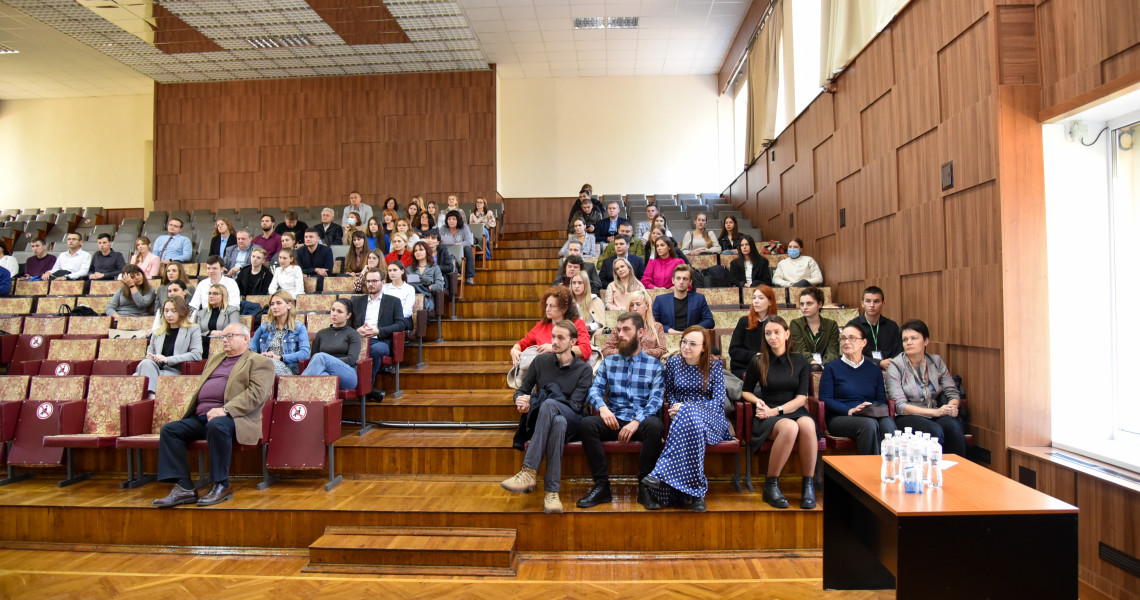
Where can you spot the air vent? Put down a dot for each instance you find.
(283, 41)
(605, 22)
(6, 50)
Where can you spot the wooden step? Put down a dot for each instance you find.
(443, 406)
(414, 550)
(519, 263)
(535, 235)
(500, 308)
(504, 291)
(517, 276)
(484, 375)
(516, 253)
(504, 329)
(531, 243)
(449, 351)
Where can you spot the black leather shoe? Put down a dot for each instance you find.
(388, 370)
(772, 493)
(377, 395)
(807, 498)
(218, 493)
(599, 494)
(698, 505)
(646, 499)
(178, 495)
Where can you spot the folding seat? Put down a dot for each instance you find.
(100, 423)
(638, 198)
(31, 288)
(316, 322)
(743, 433)
(50, 305)
(88, 327)
(104, 287)
(340, 284)
(67, 357)
(202, 447)
(32, 346)
(315, 302)
(10, 326)
(143, 421)
(305, 425)
(13, 391)
(310, 285)
(134, 323)
(607, 198)
(40, 416)
(722, 296)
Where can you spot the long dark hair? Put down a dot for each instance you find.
(704, 363)
(763, 359)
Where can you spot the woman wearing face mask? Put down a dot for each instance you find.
(281, 337)
(651, 338)
(748, 336)
(336, 348)
(797, 270)
(813, 336)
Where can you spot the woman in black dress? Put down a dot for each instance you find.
(782, 377)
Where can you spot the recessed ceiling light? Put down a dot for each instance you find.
(621, 23)
(6, 50)
(281, 41)
(605, 22)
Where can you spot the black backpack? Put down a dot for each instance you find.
(78, 311)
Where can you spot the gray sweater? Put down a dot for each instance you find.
(137, 305)
(341, 343)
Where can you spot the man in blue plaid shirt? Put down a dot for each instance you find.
(636, 388)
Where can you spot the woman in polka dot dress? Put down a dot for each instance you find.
(694, 390)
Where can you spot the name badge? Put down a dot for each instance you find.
(877, 355)
(817, 357)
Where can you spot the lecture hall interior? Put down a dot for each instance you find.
(954, 175)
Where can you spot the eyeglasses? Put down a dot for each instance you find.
(689, 344)
(227, 336)
(851, 339)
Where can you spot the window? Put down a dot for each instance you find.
(1124, 216)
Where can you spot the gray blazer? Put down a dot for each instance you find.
(187, 346)
(432, 278)
(904, 388)
(228, 316)
(138, 305)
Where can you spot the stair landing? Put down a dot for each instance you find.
(415, 551)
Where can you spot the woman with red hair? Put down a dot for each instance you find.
(557, 304)
(748, 336)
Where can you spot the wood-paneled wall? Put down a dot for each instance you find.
(311, 141)
(948, 80)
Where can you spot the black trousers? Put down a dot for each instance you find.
(594, 431)
(172, 441)
(867, 431)
(948, 430)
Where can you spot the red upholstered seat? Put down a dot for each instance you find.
(43, 414)
(306, 422)
(101, 423)
(143, 420)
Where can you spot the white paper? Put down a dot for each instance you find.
(946, 464)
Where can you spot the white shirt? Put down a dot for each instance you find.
(747, 273)
(78, 264)
(201, 297)
(9, 262)
(853, 365)
(290, 279)
(372, 313)
(406, 294)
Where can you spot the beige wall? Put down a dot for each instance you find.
(77, 152)
(621, 134)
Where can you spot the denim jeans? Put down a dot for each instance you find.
(326, 364)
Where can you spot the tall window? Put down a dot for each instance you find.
(740, 124)
(1124, 217)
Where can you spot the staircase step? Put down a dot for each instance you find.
(512, 329)
(483, 375)
(515, 253)
(535, 235)
(531, 243)
(421, 550)
(487, 276)
(451, 351)
(503, 291)
(444, 406)
(520, 263)
(500, 308)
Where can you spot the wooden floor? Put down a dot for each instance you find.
(129, 574)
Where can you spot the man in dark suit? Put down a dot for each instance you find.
(607, 229)
(377, 316)
(330, 233)
(233, 388)
(621, 249)
(682, 309)
(315, 259)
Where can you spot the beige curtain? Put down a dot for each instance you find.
(848, 26)
(763, 79)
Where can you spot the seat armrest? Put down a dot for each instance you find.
(9, 416)
(363, 377)
(71, 416)
(333, 411)
(398, 346)
(740, 427)
(136, 417)
(816, 408)
(421, 323)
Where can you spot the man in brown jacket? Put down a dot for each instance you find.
(227, 406)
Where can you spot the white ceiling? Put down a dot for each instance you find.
(536, 38)
(66, 50)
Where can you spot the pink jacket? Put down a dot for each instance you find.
(659, 273)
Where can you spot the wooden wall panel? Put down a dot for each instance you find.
(917, 110)
(815, 124)
(1109, 514)
(1017, 45)
(921, 297)
(796, 183)
(973, 221)
(782, 153)
(964, 70)
(313, 141)
(879, 128)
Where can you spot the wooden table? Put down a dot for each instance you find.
(980, 536)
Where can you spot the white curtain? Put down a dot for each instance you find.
(848, 26)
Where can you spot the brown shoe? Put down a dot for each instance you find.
(178, 495)
(218, 493)
(552, 504)
(522, 483)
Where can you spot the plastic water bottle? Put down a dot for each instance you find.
(925, 458)
(897, 449)
(887, 448)
(935, 457)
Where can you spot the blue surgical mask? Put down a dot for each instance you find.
(794, 252)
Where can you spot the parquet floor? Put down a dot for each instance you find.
(48, 574)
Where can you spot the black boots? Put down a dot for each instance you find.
(599, 494)
(772, 493)
(807, 499)
(646, 499)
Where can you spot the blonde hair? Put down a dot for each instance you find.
(225, 294)
(634, 282)
(183, 311)
(708, 236)
(290, 317)
(583, 304)
(650, 324)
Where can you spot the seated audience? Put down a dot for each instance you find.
(748, 335)
(281, 337)
(268, 239)
(330, 233)
(625, 283)
(217, 315)
(607, 228)
(481, 216)
(288, 242)
(851, 388)
(574, 263)
(171, 273)
(412, 214)
(777, 381)
(223, 238)
(400, 289)
(215, 274)
(694, 387)
(585, 240)
(227, 407)
(659, 270)
(336, 349)
(374, 260)
(682, 309)
(388, 223)
(8, 262)
(651, 212)
(627, 392)
(925, 396)
(106, 263)
(555, 415)
(354, 225)
(287, 276)
(453, 205)
(144, 259)
(393, 204)
(620, 248)
(356, 206)
(314, 258)
(557, 305)
(886, 339)
(440, 255)
(813, 336)
(750, 269)
(176, 341)
(254, 278)
(376, 316)
(590, 211)
(454, 232)
(797, 270)
(425, 269)
(730, 236)
(134, 298)
(356, 260)
(402, 226)
(699, 240)
(424, 223)
(651, 337)
(400, 252)
(633, 245)
(237, 255)
(590, 306)
(173, 246)
(374, 235)
(40, 263)
(74, 263)
(585, 195)
(292, 225)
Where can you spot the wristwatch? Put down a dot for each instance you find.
(780, 410)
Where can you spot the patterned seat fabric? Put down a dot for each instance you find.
(135, 323)
(89, 325)
(46, 325)
(66, 287)
(315, 302)
(104, 397)
(72, 349)
(15, 306)
(59, 389)
(172, 398)
(340, 284)
(14, 388)
(31, 288)
(122, 349)
(104, 288)
(96, 303)
(49, 305)
(306, 389)
(315, 322)
(12, 325)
